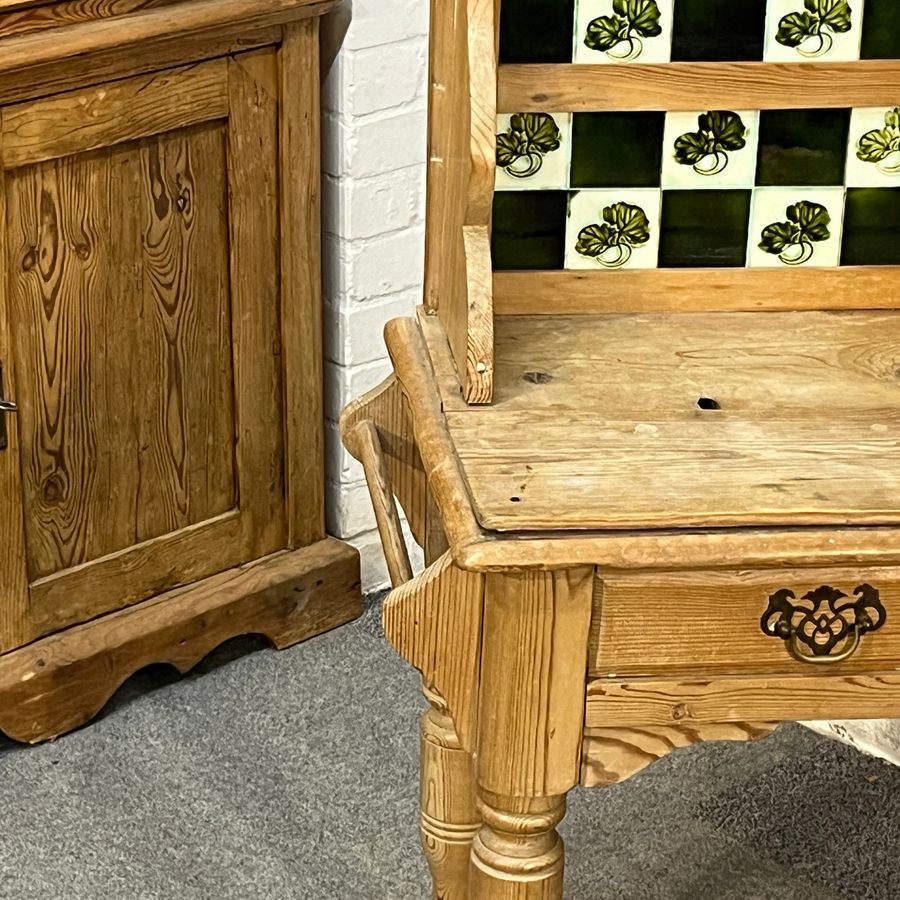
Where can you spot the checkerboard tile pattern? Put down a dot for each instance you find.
(711, 188)
(651, 31)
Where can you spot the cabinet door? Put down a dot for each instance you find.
(140, 333)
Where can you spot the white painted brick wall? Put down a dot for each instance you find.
(374, 102)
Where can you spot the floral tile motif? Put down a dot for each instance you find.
(623, 31)
(873, 159)
(810, 30)
(710, 150)
(712, 188)
(533, 151)
(613, 229)
(796, 227)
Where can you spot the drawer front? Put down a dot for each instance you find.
(815, 621)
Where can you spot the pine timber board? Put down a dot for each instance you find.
(61, 682)
(596, 423)
(676, 86)
(425, 369)
(649, 624)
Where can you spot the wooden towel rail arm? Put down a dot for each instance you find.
(366, 447)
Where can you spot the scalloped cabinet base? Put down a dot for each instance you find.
(62, 682)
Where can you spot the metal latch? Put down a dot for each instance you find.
(6, 406)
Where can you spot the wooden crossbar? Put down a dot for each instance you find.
(684, 86)
(575, 292)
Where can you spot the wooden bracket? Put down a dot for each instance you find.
(434, 622)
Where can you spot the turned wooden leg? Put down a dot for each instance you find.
(530, 722)
(518, 854)
(449, 820)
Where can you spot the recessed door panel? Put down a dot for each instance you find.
(142, 300)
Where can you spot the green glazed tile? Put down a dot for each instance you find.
(802, 146)
(872, 227)
(704, 228)
(529, 229)
(617, 149)
(881, 30)
(536, 31)
(718, 30)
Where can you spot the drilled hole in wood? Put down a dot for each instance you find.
(515, 499)
(708, 403)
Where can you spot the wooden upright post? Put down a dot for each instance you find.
(531, 713)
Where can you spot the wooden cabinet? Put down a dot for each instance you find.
(160, 337)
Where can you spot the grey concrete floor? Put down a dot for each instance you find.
(293, 775)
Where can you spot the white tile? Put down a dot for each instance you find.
(722, 169)
(770, 206)
(586, 208)
(638, 48)
(886, 171)
(824, 44)
(547, 171)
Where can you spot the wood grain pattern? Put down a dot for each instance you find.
(134, 573)
(111, 322)
(109, 114)
(530, 728)
(387, 407)
(482, 35)
(480, 341)
(532, 681)
(634, 438)
(611, 755)
(424, 365)
(181, 19)
(689, 290)
(13, 568)
(126, 60)
(187, 468)
(25, 18)
(449, 820)
(367, 448)
(127, 321)
(676, 86)
(709, 622)
(255, 241)
(650, 702)
(449, 164)
(434, 623)
(63, 681)
(432, 440)
(301, 281)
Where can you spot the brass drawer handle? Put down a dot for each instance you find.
(825, 625)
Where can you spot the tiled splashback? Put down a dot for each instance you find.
(714, 187)
(815, 187)
(646, 31)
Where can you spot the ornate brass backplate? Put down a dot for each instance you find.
(825, 625)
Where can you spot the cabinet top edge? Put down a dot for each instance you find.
(47, 31)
